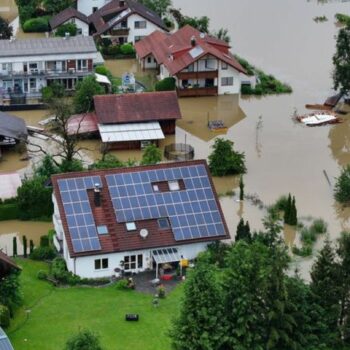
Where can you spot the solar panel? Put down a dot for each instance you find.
(80, 220)
(192, 212)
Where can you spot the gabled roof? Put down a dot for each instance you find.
(138, 107)
(194, 211)
(4, 341)
(176, 51)
(66, 15)
(6, 264)
(13, 127)
(102, 19)
(47, 46)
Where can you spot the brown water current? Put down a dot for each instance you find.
(8, 9)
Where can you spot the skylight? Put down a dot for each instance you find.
(196, 51)
(102, 230)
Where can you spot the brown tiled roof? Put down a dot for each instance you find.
(138, 107)
(119, 239)
(174, 50)
(65, 15)
(100, 19)
(6, 264)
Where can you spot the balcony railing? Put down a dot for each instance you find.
(45, 72)
(120, 31)
(205, 74)
(199, 91)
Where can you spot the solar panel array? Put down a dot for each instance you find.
(80, 220)
(193, 212)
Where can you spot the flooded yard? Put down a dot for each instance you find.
(8, 9)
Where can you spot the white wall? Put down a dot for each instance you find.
(164, 73)
(85, 266)
(86, 6)
(152, 64)
(229, 72)
(150, 27)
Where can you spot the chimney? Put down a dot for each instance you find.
(97, 195)
(193, 41)
(121, 3)
(66, 35)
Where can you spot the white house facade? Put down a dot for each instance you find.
(26, 66)
(135, 219)
(87, 7)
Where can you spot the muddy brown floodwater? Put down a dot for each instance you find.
(8, 9)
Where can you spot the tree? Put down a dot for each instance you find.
(25, 246)
(243, 231)
(287, 210)
(84, 94)
(224, 160)
(47, 167)
(158, 6)
(293, 220)
(83, 340)
(341, 61)
(10, 294)
(70, 28)
(241, 188)
(57, 6)
(5, 29)
(34, 200)
(200, 324)
(342, 186)
(14, 244)
(222, 34)
(151, 155)
(108, 161)
(167, 84)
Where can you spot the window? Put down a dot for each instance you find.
(138, 38)
(163, 223)
(33, 67)
(190, 68)
(102, 230)
(155, 188)
(82, 65)
(149, 59)
(101, 264)
(94, 9)
(32, 83)
(130, 262)
(174, 185)
(140, 24)
(224, 65)
(130, 226)
(227, 81)
(7, 66)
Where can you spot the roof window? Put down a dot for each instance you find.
(130, 226)
(174, 185)
(102, 230)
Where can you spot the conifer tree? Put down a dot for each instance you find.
(241, 188)
(200, 325)
(293, 214)
(25, 246)
(31, 246)
(14, 241)
(287, 210)
(243, 231)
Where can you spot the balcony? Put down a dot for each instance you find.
(120, 31)
(206, 74)
(198, 91)
(45, 73)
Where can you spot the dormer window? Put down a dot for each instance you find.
(130, 226)
(174, 185)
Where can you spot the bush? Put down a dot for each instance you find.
(281, 203)
(40, 24)
(105, 42)
(342, 18)
(4, 316)
(70, 28)
(112, 50)
(161, 292)
(44, 241)
(122, 284)
(48, 93)
(342, 186)
(43, 253)
(167, 84)
(84, 340)
(42, 275)
(308, 237)
(9, 211)
(319, 226)
(224, 160)
(102, 70)
(304, 251)
(127, 49)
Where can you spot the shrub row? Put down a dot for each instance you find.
(39, 24)
(9, 211)
(119, 51)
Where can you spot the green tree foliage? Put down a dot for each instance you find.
(151, 155)
(83, 340)
(4, 316)
(25, 246)
(5, 29)
(241, 188)
(27, 9)
(107, 162)
(31, 246)
(54, 91)
(222, 34)
(70, 28)
(34, 25)
(158, 6)
(167, 84)
(127, 49)
(224, 160)
(34, 200)
(243, 231)
(290, 211)
(216, 253)
(200, 23)
(54, 7)
(85, 91)
(341, 61)
(47, 168)
(200, 324)
(342, 186)
(10, 294)
(14, 246)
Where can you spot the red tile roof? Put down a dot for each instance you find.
(82, 124)
(119, 239)
(138, 107)
(6, 264)
(65, 15)
(173, 50)
(101, 19)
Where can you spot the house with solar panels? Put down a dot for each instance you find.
(135, 218)
(201, 64)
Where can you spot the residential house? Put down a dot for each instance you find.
(26, 66)
(13, 130)
(132, 121)
(124, 21)
(71, 15)
(6, 265)
(201, 64)
(135, 218)
(5, 343)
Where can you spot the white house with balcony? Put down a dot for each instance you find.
(26, 66)
(124, 21)
(201, 65)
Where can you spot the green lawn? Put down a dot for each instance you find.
(56, 313)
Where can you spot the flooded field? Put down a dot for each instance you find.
(13, 228)
(8, 9)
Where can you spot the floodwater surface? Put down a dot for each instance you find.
(8, 9)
